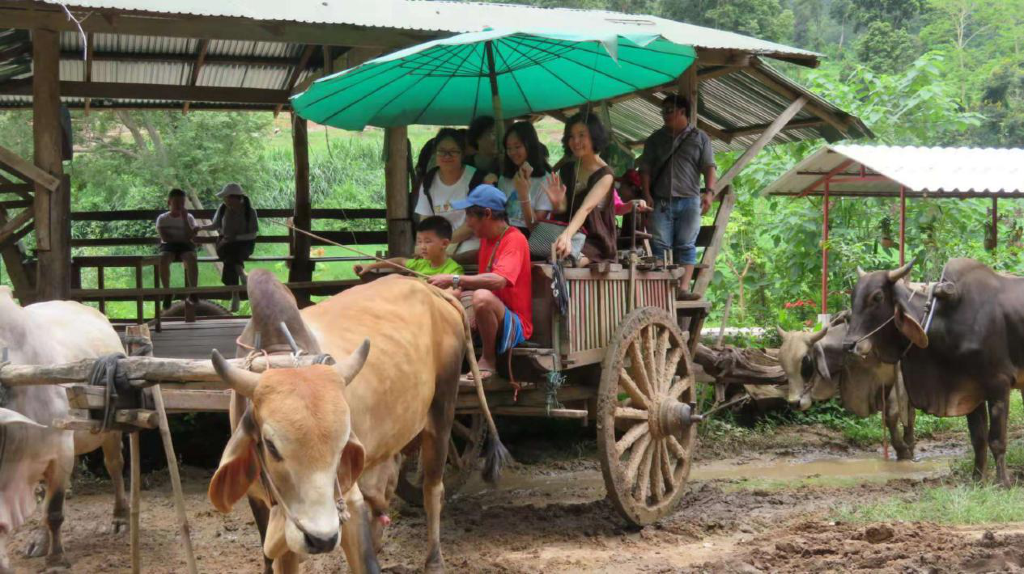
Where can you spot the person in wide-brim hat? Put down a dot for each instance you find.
(236, 222)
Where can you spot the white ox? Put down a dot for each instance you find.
(31, 452)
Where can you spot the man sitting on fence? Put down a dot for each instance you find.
(177, 228)
(502, 291)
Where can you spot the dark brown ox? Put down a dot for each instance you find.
(971, 354)
(307, 429)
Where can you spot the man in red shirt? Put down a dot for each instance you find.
(502, 291)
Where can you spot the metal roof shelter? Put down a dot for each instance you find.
(253, 54)
(902, 171)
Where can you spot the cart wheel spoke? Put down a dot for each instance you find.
(631, 437)
(677, 450)
(672, 364)
(679, 385)
(462, 431)
(660, 354)
(638, 369)
(636, 455)
(631, 388)
(657, 482)
(651, 366)
(643, 477)
(666, 467)
(630, 413)
(453, 454)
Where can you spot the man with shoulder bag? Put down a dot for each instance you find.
(671, 165)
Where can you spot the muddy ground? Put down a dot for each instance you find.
(550, 515)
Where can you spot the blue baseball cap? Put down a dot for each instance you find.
(484, 195)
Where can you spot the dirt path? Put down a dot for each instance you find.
(552, 516)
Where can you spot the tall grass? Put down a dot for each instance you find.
(961, 504)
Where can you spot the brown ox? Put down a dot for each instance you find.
(303, 424)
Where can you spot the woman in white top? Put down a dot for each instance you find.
(522, 178)
(447, 183)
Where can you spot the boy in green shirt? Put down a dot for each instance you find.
(433, 235)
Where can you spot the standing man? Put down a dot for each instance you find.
(502, 291)
(674, 158)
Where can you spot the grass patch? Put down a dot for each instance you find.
(964, 466)
(952, 505)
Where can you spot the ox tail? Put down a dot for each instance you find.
(496, 456)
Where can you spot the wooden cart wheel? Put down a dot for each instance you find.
(463, 460)
(645, 436)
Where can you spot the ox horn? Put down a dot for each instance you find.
(242, 382)
(815, 337)
(9, 417)
(861, 272)
(782, 333)
(897, 274)
(350, 367)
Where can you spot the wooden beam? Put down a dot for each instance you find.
(760, 128)
(115, 90)
(762, 141)
(757, 70)
(30, 15)
(25, 170)
(722, 57)
(837, 169)
(183, 58)
(89, 57)
(717, 72)
(204, 46)
(396, 188)
(12, 258)
(728, 198)
(52, 204)
(307, 53)
(302, 218)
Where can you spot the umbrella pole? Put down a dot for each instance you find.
(499, 120)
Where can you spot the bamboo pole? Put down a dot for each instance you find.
(144, 371)
(172, 467)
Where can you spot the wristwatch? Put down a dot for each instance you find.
(455, 281)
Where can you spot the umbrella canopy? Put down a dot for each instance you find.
(452, 81)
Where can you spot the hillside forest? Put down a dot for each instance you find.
(917, 72)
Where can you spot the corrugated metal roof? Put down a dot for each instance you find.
(923, 171)
(451, 17)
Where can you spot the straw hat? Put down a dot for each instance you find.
(230, 189)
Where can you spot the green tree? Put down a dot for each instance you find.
(765, 19)
(885, 49)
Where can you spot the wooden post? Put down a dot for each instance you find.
(51, 215)
(755, 148)
(995, 222)
(396, 182)
(301, 269)
(136, 486)
(140, 307)
(688, 85)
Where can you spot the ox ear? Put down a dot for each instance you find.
(351, 464)
(350, 367)
(238, 467)
(909, 326)
(820, 365)
(9, 417)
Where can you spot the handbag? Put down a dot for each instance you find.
(546, 232)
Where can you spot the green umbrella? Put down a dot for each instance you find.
(452, 81)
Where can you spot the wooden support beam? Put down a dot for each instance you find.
(204, 46)
(210, 60)
(717, 72)
(302, 218)
(117, 90)
(35, 15)
(12, 258)
(723, 57)
(11, 227)
(762, 141)
(52, 205)
(688, 88)
(728, 201)
(307, 53)
(396, 183)
(89, 57)
(9, 161)
(837, 169)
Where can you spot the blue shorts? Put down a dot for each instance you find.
(511, 333)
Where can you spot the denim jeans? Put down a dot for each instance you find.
(675, 225)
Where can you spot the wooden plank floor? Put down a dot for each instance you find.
(196, 340)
